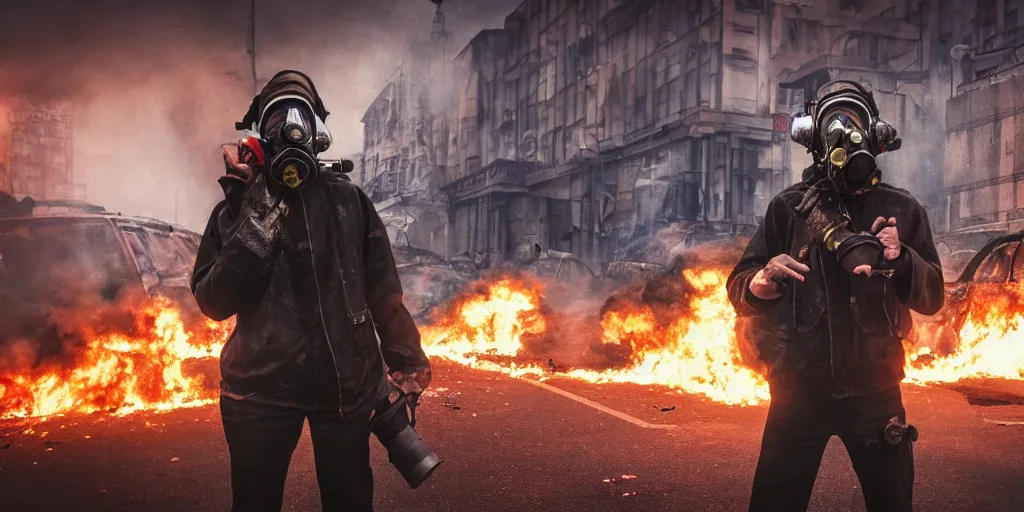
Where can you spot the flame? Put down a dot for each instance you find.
(489, 325)
(697, 351)
(991, 341)
(121, 373)
(502, 325)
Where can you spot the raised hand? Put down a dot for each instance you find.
(765, 284)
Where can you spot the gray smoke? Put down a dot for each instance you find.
(157, 86)
(918, 165)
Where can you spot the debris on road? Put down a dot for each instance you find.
(667, 409)
(613, 480)
(5, 446)
(48, 450)
(175, 459)
(629, 493)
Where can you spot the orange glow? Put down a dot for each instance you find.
(120, 373)
(503, 325)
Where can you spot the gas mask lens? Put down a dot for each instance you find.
(295, 128)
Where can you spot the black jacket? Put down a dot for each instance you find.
(308, 319)
(837, 334)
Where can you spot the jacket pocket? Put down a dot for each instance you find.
(876, 311)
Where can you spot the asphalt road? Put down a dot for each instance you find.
(510, 445)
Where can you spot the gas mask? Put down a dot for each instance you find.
(291, 136)
(844, 134)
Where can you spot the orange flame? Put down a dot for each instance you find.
(693, 350)
(698, 351)
(120, 373)
(991, 341)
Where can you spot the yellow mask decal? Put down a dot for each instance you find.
(291, 176)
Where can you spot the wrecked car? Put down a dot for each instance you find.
(66, 254)
(428, 281)
(117, 250)
(993, 271)
(558, 266)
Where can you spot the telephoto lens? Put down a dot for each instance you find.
(406, 450)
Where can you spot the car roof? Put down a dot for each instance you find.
(116, 218)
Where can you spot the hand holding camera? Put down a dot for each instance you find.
(887, 234)
(413, 382)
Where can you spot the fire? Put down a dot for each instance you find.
(490, 324)
(121, 373)
(503, 325)
(991, 341)
(697, 351)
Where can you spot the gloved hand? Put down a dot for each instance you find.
(260, 219)
(413, 382)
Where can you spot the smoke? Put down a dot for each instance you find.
(157, 86)
(918, 165)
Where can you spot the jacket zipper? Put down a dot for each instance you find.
(320, 307)
(828, 318)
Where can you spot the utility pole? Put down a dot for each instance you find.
(252, 46)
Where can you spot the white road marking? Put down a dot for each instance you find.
(1002, 422)
(594, 405)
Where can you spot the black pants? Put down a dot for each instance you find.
(261, 439)
(796, 433)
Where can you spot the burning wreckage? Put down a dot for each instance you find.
(97, 317)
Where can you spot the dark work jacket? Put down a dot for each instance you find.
(837, 334)
(308, 319)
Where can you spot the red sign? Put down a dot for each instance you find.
(780, 123)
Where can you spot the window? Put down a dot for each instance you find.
(170, 254)
(790, 34)
(1018, 265)
(996, 266)
(750, 5)
(47, 255)
(851, 5)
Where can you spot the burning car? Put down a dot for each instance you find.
(991, 272)
(427, 279)
(52, 252)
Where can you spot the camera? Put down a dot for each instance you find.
(392, 423)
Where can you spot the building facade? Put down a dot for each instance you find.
(588, 125)
(405, 144)
(36, 151)
(985, 119)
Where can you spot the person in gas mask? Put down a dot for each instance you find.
(826, 286)
(303, 261)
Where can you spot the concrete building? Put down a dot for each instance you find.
(588, 125)
(36, 151)
(602, 123)
(405, 144)
(985, 120)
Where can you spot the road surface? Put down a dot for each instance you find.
(512, 445)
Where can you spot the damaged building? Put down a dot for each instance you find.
(36, 150)
(405, 144)
(588, 126)
(985, 118)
